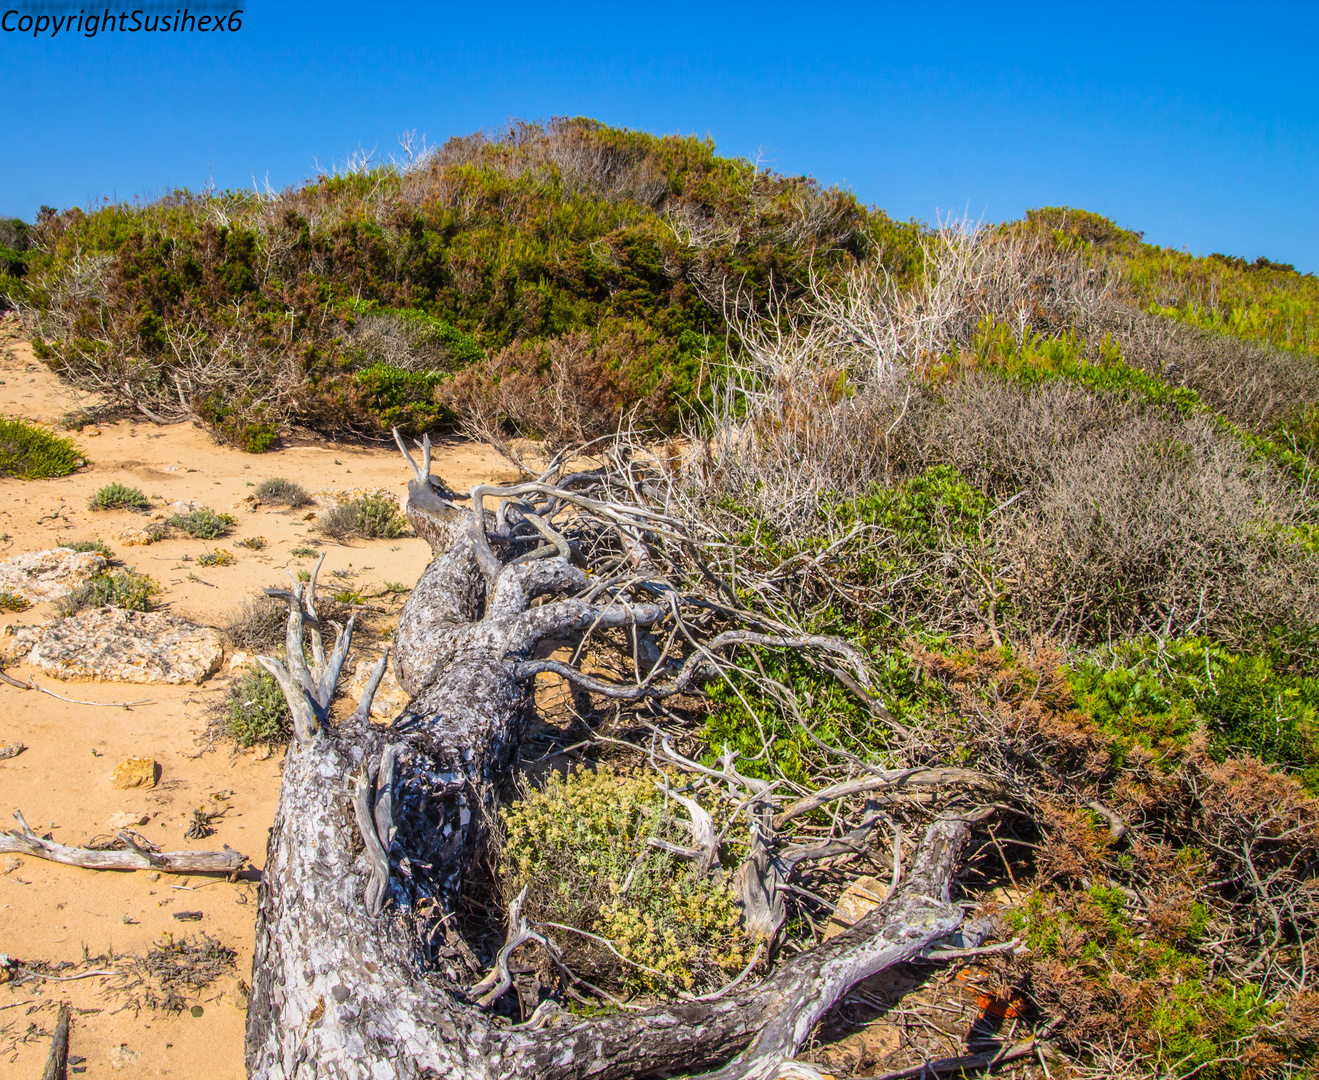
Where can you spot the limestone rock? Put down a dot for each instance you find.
(129, 819)
(390, 697)
(38, 576)
(137, 537)
(112, 645)
(12, 749)
(858, 900)
(134, 773)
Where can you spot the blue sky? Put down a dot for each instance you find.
(1198, 124)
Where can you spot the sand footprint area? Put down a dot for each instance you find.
(125, 921)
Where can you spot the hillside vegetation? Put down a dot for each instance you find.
(1055, 483)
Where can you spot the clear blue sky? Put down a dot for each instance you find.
(1198, 124)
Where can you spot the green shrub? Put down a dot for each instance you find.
(1158, 693)
(218, 557)
(11, 601)
(255, 710)
(33, 453)
(371, 517)
(349, 596)
(404, 399)
(284, 492)
(118, 496)
(303, 552)
(203, 523)
(97, 546)
(252, 543)
(577, 841)
(125, 589)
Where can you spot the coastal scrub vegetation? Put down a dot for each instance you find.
(1054, 486)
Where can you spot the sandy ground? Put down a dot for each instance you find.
(55, 913)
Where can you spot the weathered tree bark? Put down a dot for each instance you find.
(376, 826)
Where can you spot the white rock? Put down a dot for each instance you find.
(126, 820)
(239, 659)
(121, 646)
(38, 576)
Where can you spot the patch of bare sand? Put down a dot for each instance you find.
(53, 913)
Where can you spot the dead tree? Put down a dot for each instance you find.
(377, 824)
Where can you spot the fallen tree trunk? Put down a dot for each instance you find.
(354, 974)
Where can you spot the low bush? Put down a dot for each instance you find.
(33, 453)
(118, 496)
(98, 546)
(579, 846)
(218, 557)
(371, 517)
(203, 523)
(125, 589)
(11, 601)
(303, 552)
(254, 710)
(252, 543)
(283, 492)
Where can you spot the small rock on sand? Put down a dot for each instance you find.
(858, 900)
(38, 576)
(128, 819)
(121, 646)
(134, 773)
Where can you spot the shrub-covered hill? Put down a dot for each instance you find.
(1055, 485)
(605, 257)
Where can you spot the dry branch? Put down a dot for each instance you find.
(138, 854)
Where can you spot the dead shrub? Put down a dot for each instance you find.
(1160, 525)
(257, 625)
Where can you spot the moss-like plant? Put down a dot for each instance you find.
(118, 496)
(33, 453)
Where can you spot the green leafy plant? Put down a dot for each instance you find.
(11, 601)
(303, 552)
(254, 709)
(97, 546)
(118, 496)
(33, 453)
(371, 517)
(349, 596)
(203, 523)
(124, 589)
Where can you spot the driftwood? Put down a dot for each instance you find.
(377, 826)
(57, 1061)
(137, 854)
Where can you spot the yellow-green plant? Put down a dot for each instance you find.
(580, 846)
